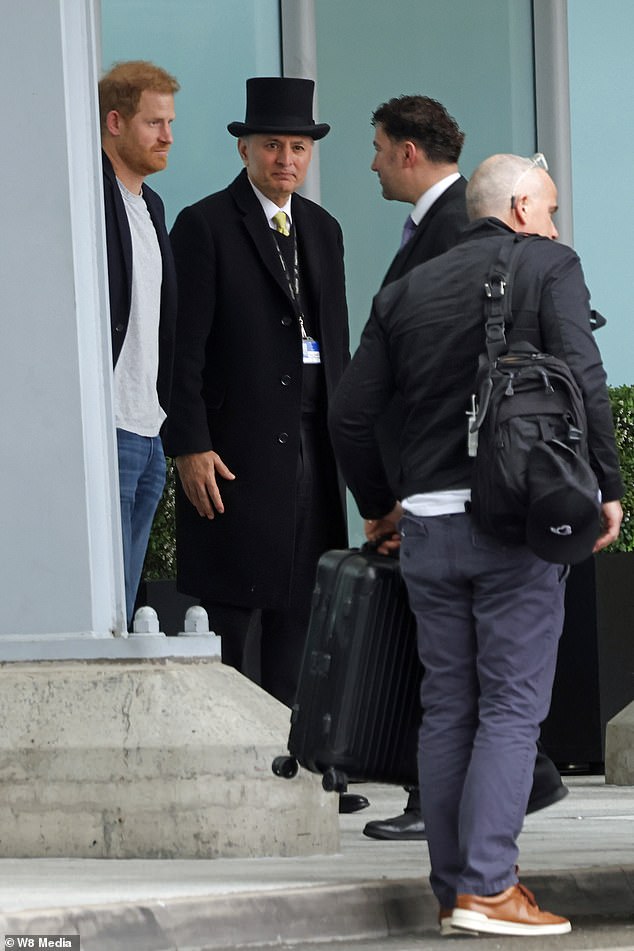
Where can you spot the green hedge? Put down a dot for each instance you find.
(160, 561)
(622, 400)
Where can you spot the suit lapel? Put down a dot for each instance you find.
(123, 227)
(258, 229)
(309, 256)
(399, 265)
(154, 210)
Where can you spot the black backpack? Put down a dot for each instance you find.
(524, 396)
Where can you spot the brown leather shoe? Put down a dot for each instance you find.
(512, 912)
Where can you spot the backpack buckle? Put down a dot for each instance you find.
(495, 333)
(495, 289)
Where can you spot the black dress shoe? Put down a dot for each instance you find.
(350, 802)
(548, 799)
(408, 826)
(547, 785)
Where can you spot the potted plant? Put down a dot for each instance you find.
(622, 401)
(595, 668)
(614, 569)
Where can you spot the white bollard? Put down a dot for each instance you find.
(196, 620)
(146, 621)
(197, 623)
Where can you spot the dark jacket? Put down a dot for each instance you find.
(439, 231)
(119, 247)
(423, 340)
(238, 381)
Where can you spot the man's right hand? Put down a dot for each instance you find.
(197, 473)
(386, 528)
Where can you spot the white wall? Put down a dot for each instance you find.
(60, 560)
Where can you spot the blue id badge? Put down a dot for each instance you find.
(310, 351)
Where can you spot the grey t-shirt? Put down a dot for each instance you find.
(136, 403)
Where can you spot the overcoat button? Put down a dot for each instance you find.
(285, 380)
(119, 327)
(287, 321)
(283, 437)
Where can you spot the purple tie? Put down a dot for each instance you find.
(408, 231)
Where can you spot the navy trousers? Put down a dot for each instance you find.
(489, 618)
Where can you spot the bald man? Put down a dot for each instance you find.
(488, 618)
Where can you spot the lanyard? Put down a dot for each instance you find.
(293, 285)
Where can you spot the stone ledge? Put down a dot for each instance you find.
(619, 748)
(150, 759)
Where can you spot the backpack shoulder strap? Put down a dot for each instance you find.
(498, 293)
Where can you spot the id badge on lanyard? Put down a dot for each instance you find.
(310, 350)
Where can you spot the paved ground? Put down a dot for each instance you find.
(587, 935)
(578, 856)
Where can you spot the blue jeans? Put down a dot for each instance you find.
(141, 482)
(489, 618)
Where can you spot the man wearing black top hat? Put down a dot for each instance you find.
(262, 340)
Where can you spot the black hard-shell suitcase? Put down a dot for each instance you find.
(357, 712)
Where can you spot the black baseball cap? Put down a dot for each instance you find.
(564, 513)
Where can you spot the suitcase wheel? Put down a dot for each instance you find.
(285, 766)
(334, 780)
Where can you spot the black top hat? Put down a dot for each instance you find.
(281, 105)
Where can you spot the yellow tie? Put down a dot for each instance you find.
(281, 223)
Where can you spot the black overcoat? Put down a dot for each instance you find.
(237, 384)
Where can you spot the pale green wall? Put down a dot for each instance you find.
(475, 57)
(211, 46)
(601, 98)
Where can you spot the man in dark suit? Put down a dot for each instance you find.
(262, 341)
(417, 146)
(136, 102)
